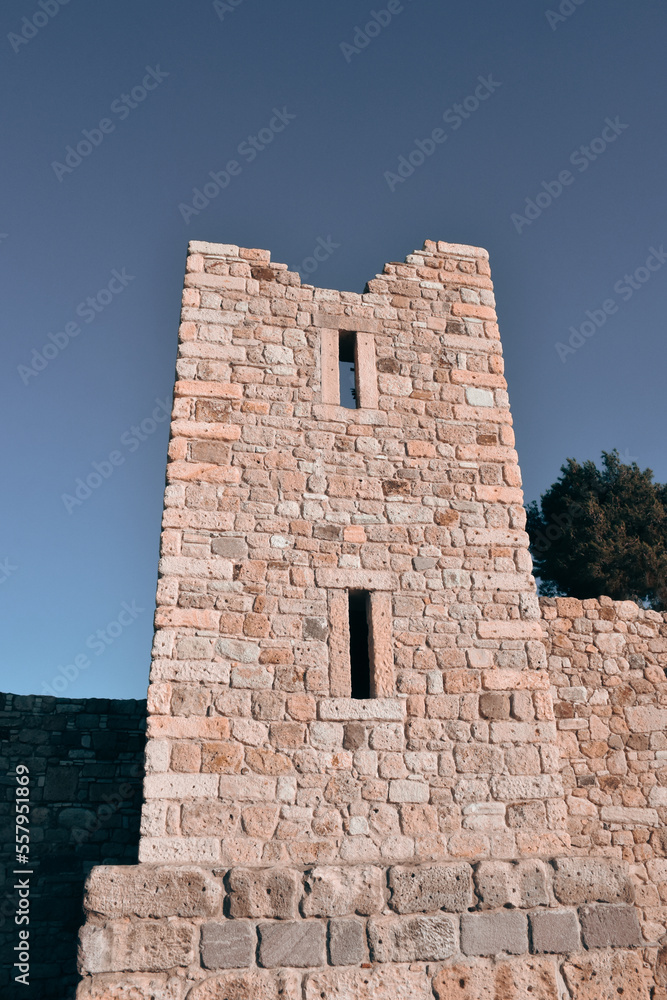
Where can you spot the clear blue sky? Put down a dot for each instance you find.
(207, 80)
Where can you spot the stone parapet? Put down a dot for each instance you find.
(249, 920)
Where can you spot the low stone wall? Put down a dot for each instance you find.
(85, 763)
(365, 932)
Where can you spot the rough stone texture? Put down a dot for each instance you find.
(607, 926)
(411, 939)
(271, 892)
(278, 502)
(144, 946)
(499, 731)
(525, 979)
(604, 975)
(283, 985)
(153, 986)
(298, 943)
(335, 892)
(522, 884)
(228, 945)
(380, 983)
(555, 931)
(347, 942)
(592, 880)
(493, 933)
(152, 891)
(432, 887)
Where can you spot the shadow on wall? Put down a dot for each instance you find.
(85, 764)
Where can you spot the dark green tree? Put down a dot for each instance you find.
(602, 531)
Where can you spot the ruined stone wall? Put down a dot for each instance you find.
(279, 501)
(607, 663)
(300, 842)
(85, 760)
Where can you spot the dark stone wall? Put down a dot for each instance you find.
(86, 763)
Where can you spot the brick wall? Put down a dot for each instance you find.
(607, 662)
(297, 841)
(277, 504)
(85, 759)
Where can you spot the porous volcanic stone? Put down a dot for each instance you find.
(431, 887)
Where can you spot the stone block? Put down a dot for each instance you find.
(253, 985)
(616, 975)
(592, 880)
(555, 931)
(606, 926)
(336, 892)
(152, 891)
(411, 939)
(140, 986)
(264, 892)
(408, 790)
(522, 884)
(347, 942)
(527, 979)
(141, 946)
(431, 887)
(381, 983)
(494, 705)
(297, 944)
(493, 933)
(228, 945)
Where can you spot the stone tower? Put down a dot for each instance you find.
(349, 707)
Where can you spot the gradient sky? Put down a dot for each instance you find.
(68, 571)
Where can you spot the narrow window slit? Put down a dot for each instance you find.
(360, 661)
(347, 369)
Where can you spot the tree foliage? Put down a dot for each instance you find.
(602, 531)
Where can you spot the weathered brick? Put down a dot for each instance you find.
(522, 884)
(555, 931)
(228, 945)
(264, 892)
(411, 939)
(253, 985)
(299, 944)
(152, 891)
(606, 926)
(335, 892)
(347, 942)
(529, 978)
(380, 983)
(431, 887)
(592, 880)
(604, 975)
(493, 933)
